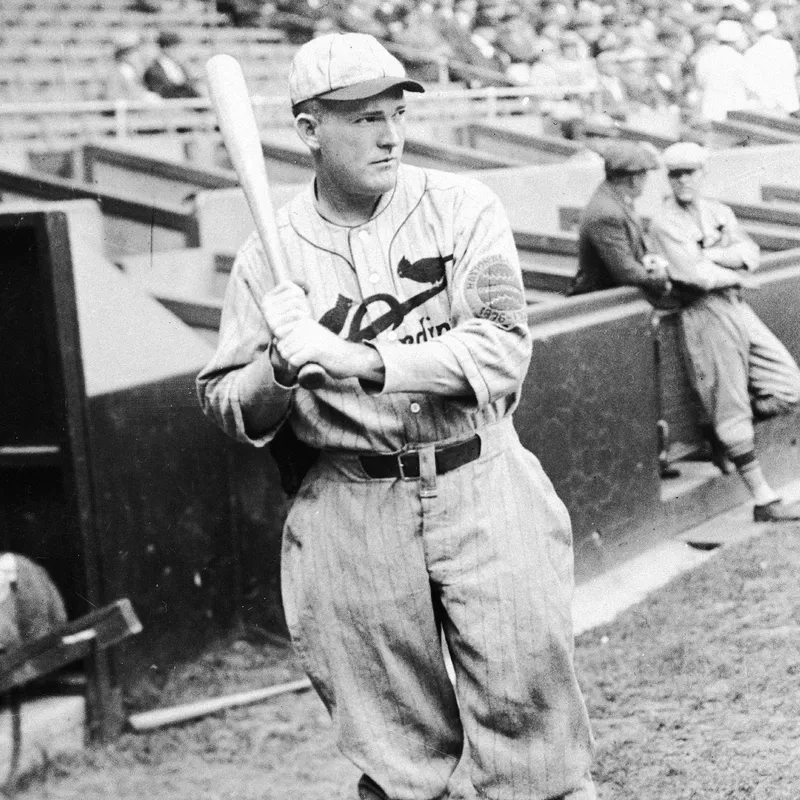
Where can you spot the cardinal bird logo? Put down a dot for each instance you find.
(426, 270)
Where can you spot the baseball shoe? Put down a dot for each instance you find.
(777, 511)
(369, 790)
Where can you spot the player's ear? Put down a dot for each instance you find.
(307, 126)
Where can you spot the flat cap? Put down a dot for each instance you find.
(630, 157)
(684, 155)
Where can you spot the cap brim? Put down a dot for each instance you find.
(370, 88)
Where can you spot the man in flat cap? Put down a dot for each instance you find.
(736, 364)
(423, 514)
(613, 249)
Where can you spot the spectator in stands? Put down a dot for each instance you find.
(517, 40)
(737, 366)
(242, 13)
(720, 72)
(422, 31)
(614, 98)
(613, 247)
(588, 24)
(126, 79)
(576, 67)
(166, 75)
(771, 67)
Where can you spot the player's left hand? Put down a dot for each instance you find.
(310, 342)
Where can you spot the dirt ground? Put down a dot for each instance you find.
(694, 693)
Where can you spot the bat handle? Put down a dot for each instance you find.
(311, 376)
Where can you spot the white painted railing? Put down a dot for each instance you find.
(57, 121)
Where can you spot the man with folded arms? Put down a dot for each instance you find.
(737, 366)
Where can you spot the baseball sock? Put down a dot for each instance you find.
(751, 473)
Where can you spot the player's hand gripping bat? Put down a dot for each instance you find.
(237, 124)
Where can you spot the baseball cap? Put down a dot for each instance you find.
(345, 66)
(684, 155)
(765, 20)
(729, 30)
(630, 157)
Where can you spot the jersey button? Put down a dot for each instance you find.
(364, 234)
(374, 277)
(391, 336)
(415, 408)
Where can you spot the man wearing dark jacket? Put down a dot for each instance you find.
(166, 75)
(613, 249)
(612, 242)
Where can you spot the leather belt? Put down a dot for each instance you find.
(406, 465)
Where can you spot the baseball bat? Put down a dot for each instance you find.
(149, 720)
(237, 123)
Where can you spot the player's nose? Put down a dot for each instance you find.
(390, 134)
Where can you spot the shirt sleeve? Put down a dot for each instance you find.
(687, 262)
(486, 353)
(240, 374)
(610, 238)
(734, 248)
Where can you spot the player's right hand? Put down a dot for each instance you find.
(284, 306)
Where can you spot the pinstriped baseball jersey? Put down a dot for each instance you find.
(432, 281)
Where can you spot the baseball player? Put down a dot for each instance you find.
(423, 513)
(737, 366)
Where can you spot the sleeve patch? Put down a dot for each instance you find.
(493, 293)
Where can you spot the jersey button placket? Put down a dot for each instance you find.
(366, 261)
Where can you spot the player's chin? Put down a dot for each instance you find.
(382, 175)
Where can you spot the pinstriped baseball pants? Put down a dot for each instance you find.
(731, 357)
(372, 568)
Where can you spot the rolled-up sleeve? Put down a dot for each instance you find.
(239, 374)
(735, 247)
(609, 235)
(687, 262)
(486, 353)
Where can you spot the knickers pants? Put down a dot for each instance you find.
(732, 356)
(372, 568)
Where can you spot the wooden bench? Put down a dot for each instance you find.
(618, 131)
(785, 194)
(764, 119)
(526, 148)
(132, 224)
(731, 133)
(123, 169)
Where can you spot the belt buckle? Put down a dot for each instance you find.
(401, 465)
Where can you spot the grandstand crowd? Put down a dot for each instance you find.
(693, 59)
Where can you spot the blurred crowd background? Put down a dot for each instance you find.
(691, 59)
